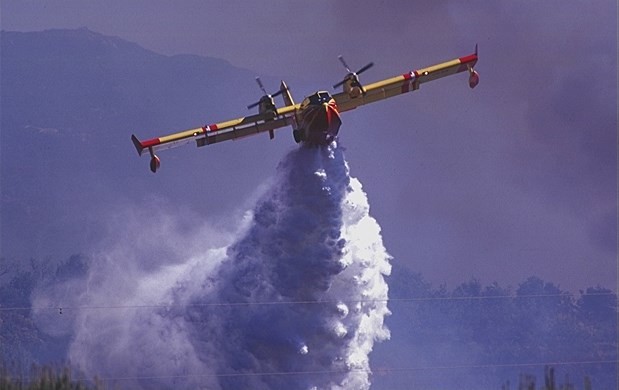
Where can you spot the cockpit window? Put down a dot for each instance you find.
(319, 98)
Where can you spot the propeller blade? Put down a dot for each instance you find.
(339, 84)
(368, 66)
(351, 74)
(344, 63)
(266, 95)
(260, 85)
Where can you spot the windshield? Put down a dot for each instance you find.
(319, 98)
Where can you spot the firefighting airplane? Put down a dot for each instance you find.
(316, 120)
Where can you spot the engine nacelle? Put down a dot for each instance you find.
(352, 86)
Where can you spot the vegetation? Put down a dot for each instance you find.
(45, 378)
(499, 330)
(528, 382)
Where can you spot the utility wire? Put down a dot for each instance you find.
(280, 303)
(376, 371)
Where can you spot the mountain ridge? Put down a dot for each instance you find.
(70, 100)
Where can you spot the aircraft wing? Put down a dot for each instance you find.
(217, 132)
(408, 82)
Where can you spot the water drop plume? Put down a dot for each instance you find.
(295, 300)
(312, 247)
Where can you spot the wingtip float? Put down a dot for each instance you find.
(316, 120)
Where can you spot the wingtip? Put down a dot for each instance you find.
(137, 144)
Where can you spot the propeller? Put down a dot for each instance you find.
(266, 95)
(351, 73)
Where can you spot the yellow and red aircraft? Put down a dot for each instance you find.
(316, 120)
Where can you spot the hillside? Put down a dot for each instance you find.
(70, 100)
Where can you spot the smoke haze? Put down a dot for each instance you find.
(296, 299)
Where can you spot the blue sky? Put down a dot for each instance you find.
(514, 178)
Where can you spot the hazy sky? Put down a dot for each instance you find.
(514, 178)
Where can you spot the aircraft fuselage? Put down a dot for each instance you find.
(318, 119)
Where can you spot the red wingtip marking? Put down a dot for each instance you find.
(468, 59)
(141, 145)
(151, 142)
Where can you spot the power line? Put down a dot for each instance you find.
(281, 303)
(381, 370)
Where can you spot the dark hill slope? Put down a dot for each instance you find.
(70, 100)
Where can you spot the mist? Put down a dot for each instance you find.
(294, 298)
